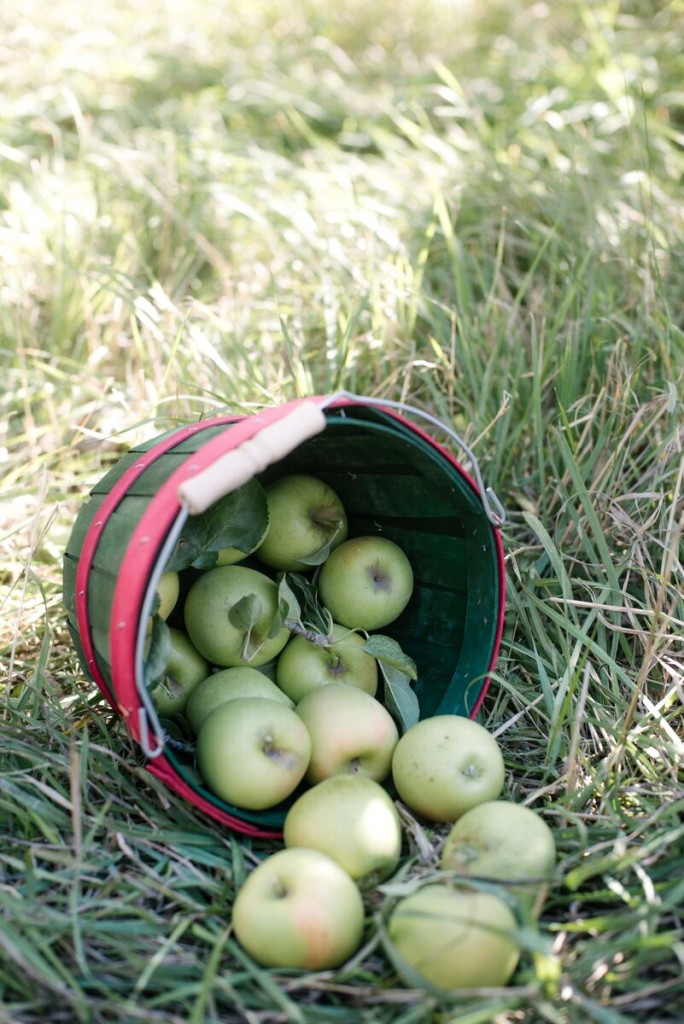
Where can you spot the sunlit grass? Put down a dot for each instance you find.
(476, 208)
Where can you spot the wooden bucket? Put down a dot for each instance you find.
(393, 477)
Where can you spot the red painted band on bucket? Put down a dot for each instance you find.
(96, 528)
(163, 770)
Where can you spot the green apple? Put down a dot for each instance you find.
(300, 909)
(351, 732)
(445, 765)
(231, 617)
(168, 590)
(303, 665)
(252, 752)
(453, 938)
(306, 520)
(502, 841)
(366, 582)
(230, 556)
(228, 684)
(353, 819)
(185, 669)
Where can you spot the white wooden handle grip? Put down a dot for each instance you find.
(238, 466)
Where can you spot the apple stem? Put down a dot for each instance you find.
(327, 518)
(335, 664)
(279, 888)
(312, 635)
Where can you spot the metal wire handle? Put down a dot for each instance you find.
(494, 510)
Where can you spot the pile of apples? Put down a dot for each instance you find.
(284, 705)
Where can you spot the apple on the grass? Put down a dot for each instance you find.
(453, 938)
(299, 909)
(185, 669)
(304, 665)
(253, 752)
(229, 684)
(231, 617)
(351, 732)
(443, 766)
(306, 521)
(505, 842)
(366, 582)
(353, 819)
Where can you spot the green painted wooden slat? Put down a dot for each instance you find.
(101, 584)
(113, 475)
(397, 495)
(117, 532)
(69, 570)
(79, 531)
(191, 444)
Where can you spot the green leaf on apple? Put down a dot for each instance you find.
(399, 699)
(237, 520)
(245, 614)
(389, 653)
(158, 653)
(320, 556)
(300, 609)
(397, 670)
(288, 602)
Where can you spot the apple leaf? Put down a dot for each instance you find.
(244, 615)
(238, 520)
(288, 602)
(320, 556)
(400, 700)
(158, 653)
(397, 670)
(389, 653)
(301, 610)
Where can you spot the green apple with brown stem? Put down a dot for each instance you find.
(444, 765)
(351, 732)
(307, 520)
(299, 909)
(366, 582)
(253, 752)
(305, 664)
(506, 842)
(231, 615)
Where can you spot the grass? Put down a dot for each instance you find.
(475, 208)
